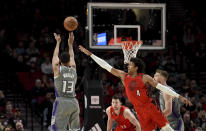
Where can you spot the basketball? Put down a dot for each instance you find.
(70, 23)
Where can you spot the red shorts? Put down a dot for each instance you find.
(149, 116)
(118, 128)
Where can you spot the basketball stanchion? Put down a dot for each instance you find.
(93, 106)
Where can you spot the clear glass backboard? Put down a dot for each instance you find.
(111, 23)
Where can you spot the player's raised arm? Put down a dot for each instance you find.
(128, 115)
(55, 58)
(109, 120)
(103, 64)
(71, 51)
(165, 89)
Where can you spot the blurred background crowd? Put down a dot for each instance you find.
(27, 44)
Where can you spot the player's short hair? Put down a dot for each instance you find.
(117, 97)
(64, 57)
(139, 63)
(163, 73)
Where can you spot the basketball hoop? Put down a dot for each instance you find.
(130, 49)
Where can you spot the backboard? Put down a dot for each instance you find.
(111, 23)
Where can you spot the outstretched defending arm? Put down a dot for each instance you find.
(71, 51)
(103, 64)
(55, 58)
(165, 89)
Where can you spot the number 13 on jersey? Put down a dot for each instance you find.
(68, 86)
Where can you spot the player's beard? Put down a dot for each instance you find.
(116, 108)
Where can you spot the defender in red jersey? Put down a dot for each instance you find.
(126, 121)
(135, 83)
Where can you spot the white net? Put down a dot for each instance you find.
(130, 49)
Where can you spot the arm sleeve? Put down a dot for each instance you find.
(101, 63)
(167, 90)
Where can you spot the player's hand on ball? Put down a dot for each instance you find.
(57, 37)
(71, 38)
(185, 100)
(85, 51)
